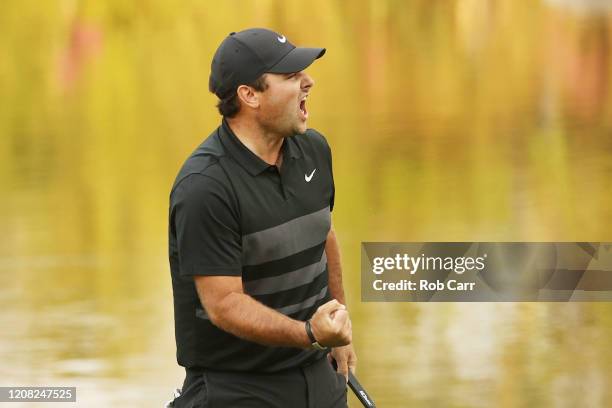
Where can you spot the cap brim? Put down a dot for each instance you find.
(296, 60)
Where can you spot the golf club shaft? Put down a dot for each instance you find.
(360, 392)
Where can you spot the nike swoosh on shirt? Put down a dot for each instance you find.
(308, 178)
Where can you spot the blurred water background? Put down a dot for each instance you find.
(449, 120)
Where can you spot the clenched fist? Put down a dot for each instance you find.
(331, 325)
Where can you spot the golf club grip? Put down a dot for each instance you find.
(360, 393)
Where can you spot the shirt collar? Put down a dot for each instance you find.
(245, 157)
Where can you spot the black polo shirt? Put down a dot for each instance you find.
(233, 214)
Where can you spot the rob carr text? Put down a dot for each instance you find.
(423, 284)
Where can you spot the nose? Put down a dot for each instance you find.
(307, 81)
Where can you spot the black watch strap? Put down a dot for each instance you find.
(313, 342)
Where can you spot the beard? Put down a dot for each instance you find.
(284, 124)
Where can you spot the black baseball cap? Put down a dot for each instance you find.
(244, 56)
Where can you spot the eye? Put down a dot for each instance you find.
(290, 76)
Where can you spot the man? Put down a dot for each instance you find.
(256, 277)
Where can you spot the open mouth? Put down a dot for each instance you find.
(303, 107)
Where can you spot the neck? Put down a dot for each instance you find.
(266, 145)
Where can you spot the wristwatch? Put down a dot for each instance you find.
(313, 342)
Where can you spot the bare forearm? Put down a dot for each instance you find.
(244, 317)
(334, 267)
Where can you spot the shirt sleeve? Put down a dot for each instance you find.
(207, 228)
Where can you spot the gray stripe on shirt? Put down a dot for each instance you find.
(286, 239)
(288, 280)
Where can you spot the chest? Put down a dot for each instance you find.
(302, 186)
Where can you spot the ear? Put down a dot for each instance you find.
(248, 96)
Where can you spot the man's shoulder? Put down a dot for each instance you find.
(204, 161)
